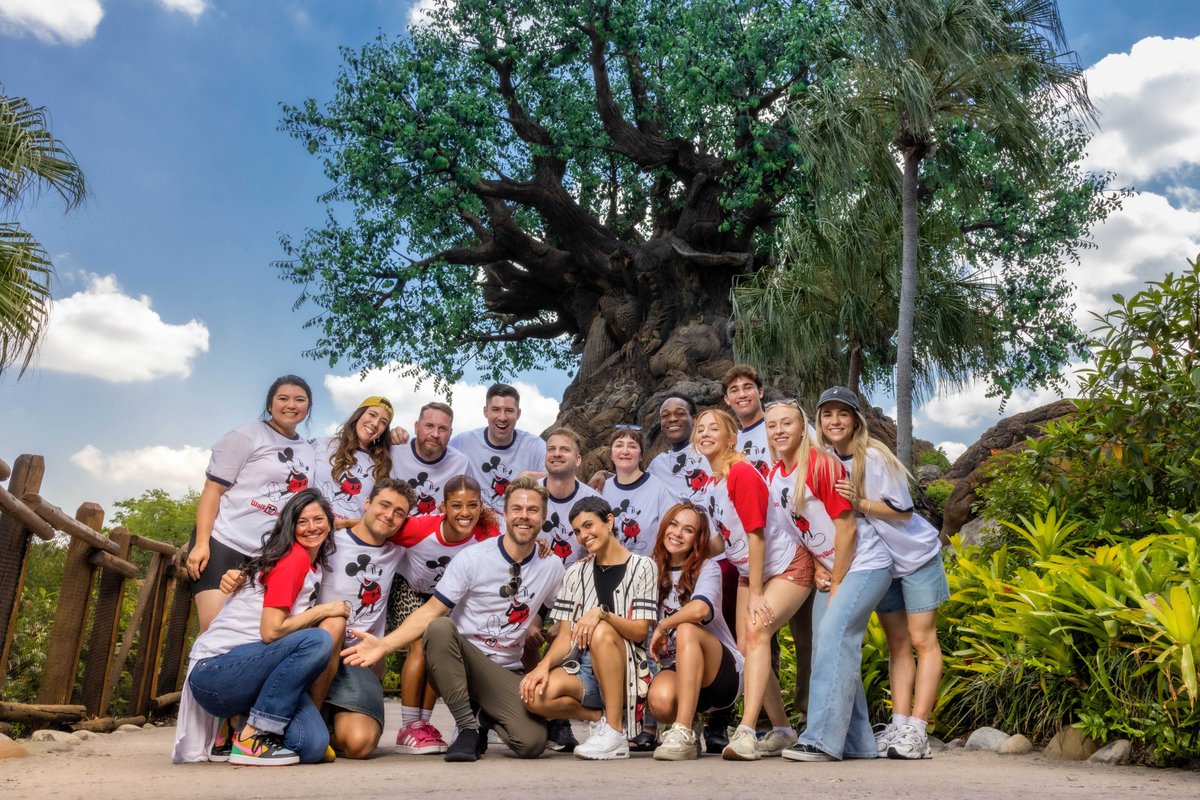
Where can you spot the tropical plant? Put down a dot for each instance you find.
(31, 161)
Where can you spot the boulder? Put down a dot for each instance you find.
(1016, 745)
(10, 749)
(986, 739)
(928, 473)
(1006, 436)
(936, 743)
(1070, 744)
(127, 728)
(954, 744)
(48, 735)
(1116, 752)
(85, 736)
(978, 530)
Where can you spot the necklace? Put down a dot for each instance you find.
(607, 567)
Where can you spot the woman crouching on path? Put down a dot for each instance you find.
(775, 578)
(701, 665)
(263, 650)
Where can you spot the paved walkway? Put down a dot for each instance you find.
(124, 766)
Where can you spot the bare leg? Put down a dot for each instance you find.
(608, 663)
(922, 630)
(562, 698)
(355, 735)
(785, 598)
(697, 659)
(208, 604)
(319, 690)
(902, 670)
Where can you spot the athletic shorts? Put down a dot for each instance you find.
(355, 689)
(725, 687)
(221, 559)
(923, 590)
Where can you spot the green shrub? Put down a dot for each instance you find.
(937, 457)
(937, 493)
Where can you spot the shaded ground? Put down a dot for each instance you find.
(137, 765)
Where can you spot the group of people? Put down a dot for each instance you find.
(526, 598)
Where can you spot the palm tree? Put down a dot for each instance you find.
(913, 67)
(827, 314)
(31, 161)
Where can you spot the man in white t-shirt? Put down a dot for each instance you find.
(563, 449)
(498, 452)
(426, 461)
(681, 466)
(743, 394)
(474, 629)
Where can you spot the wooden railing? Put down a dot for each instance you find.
(93, 588)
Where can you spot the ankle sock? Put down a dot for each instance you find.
(409, 715)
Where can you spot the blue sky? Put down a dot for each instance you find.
(170, 321)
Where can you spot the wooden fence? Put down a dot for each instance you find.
(93, 589)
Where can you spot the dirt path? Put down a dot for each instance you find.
(123, 766)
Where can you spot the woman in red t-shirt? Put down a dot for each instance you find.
(775, 578)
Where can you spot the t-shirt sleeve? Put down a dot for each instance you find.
(456, 581)
(229, 455)
(748, 492)
(891, 488)
(708, 587)
(823, 474)
(644, 601)
(282, 584)
(568, 598)
(416, 529)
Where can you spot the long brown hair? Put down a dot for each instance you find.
(691, 565)
(730, 426)
(347, 445)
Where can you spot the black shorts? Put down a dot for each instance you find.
(221, 559)
(725, 687)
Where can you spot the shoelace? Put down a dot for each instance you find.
(260, 742)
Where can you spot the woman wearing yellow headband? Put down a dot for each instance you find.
(350, 461)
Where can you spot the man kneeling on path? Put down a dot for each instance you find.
(491, 594)
(596, 669)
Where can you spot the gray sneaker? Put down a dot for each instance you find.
(774, 742)
(743, 746)
(678, 744)
(884, 736)
(910, 743)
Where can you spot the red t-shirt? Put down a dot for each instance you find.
(282, 585)
(748, 493)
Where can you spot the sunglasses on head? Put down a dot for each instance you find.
(626, 426)
(787, 401)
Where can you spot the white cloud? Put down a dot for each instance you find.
(1143, 241)
(106, 334)
(51, 21)
(952, 450)
(421, 12)
(158, 466)
(1148, 100)
(193, 8)
(970, 409)
(538, 412)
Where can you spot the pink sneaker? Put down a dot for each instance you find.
(420, 738)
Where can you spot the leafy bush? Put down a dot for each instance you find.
(937, 493)
(937, 457)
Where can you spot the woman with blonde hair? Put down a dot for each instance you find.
(775, 577)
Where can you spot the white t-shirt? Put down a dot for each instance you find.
(261, 469)
(346, 493)
(494, 466)
(361, 573)
(427, 554)
(813, 528)
(557, 527)
(911, 544)
(637, 509)
(239, 620)
(427, 478)
(752, 442)
(684, 470)
(490, 606)
(708, 589)
(739, 504)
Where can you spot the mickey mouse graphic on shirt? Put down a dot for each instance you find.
(501, 475)
(815, 540)
(514, 591)
(427, 493)
(715, 513)
(438, 566)
(625, 523)
(370, 591)
(559, 544)
(755, 456)
(297, 478)
(349, 487)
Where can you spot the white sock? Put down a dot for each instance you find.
(748, 729)
(919, 724)
(426, 714)
(899, 719)
(409, 715)
(786, 730)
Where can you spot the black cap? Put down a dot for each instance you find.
(839, 394)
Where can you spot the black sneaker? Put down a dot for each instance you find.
(644, 742)
(559, 736)
(465, 747)
(716, 738)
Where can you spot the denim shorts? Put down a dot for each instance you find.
(923, 590)
(591, 689)
(355, 689)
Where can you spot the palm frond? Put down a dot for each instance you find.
(25, 274)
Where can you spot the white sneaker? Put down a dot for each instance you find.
(678, 744)
(884, 736)
(743, 746)
(604, 744)
(774, 742)
(910, 743)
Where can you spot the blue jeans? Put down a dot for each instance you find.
(838, 723)
(270, 681)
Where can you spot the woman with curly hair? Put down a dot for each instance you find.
(350, 461)
(701, 668)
